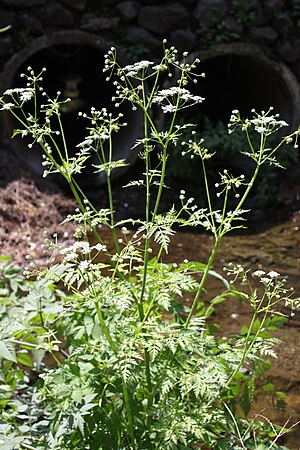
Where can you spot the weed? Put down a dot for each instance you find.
(132, 367)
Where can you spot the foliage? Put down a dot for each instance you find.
(110, 354)
(245, 12)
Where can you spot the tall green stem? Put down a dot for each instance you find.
(203, 281)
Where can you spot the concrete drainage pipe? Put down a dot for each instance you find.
(74, 62)
(240, 76)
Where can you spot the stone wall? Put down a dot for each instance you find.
(138, 26)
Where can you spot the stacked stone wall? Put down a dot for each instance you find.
(138, 26)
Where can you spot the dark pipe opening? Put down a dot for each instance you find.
(241, 82)
(240, 76)
(74, 63)
(237, 76)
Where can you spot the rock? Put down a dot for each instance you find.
(75, 4)
(233, 25)
(30, 24)
(282, 22)
(289, 51)
(274, 5)
(93, 23)
(163, 18)
(141, 36)
(183, 40)
(246, 6)
(264, 34)
(6, 46)
(7, 18)
(109, 2)
(128, 10)
(56, 15)
(208, 11)
(24, 3)
(150, 2)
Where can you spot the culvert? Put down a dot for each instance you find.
(74, 61)
(240, 76)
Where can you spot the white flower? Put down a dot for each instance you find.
(133, 69)
(85, 247)
(265, 280)
(84, 265)
(71, 256)
(176, 90)
(87, 142)
(259, 273)
(25, 93)
(168, 108)
(273, 274)
(100, 247)
(7, 106)
(261, 129)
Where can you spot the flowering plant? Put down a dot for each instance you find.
(134, 364)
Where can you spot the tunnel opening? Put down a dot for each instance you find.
(74, 64)
(241, 82)
(238, 76)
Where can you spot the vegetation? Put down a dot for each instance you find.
(229, 150)
(99, 350)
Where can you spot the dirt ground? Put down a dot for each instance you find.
(28, 207)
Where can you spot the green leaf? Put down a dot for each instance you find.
(244, 330)
(280, 394)
(7, 353)
(269, 387)
(24, 358)
(221, 278)
(97, 331)
(77, 395)
(5, 258)
(74, 369)
(218, 299)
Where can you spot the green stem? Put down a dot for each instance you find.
(112, 344)
(129, 415)
(110, 196)
(248, 348)
(203, 281)
(125, 390)
(208, 194)
(63, 137)
(246, 193)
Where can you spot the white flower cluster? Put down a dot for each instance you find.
(18, 95)
(72, 252)
(268, 278)
(103, 125)
(134, 70)
(195, 148)
(264, 123)
(175, 98)
(229, 182)
(24, 94)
